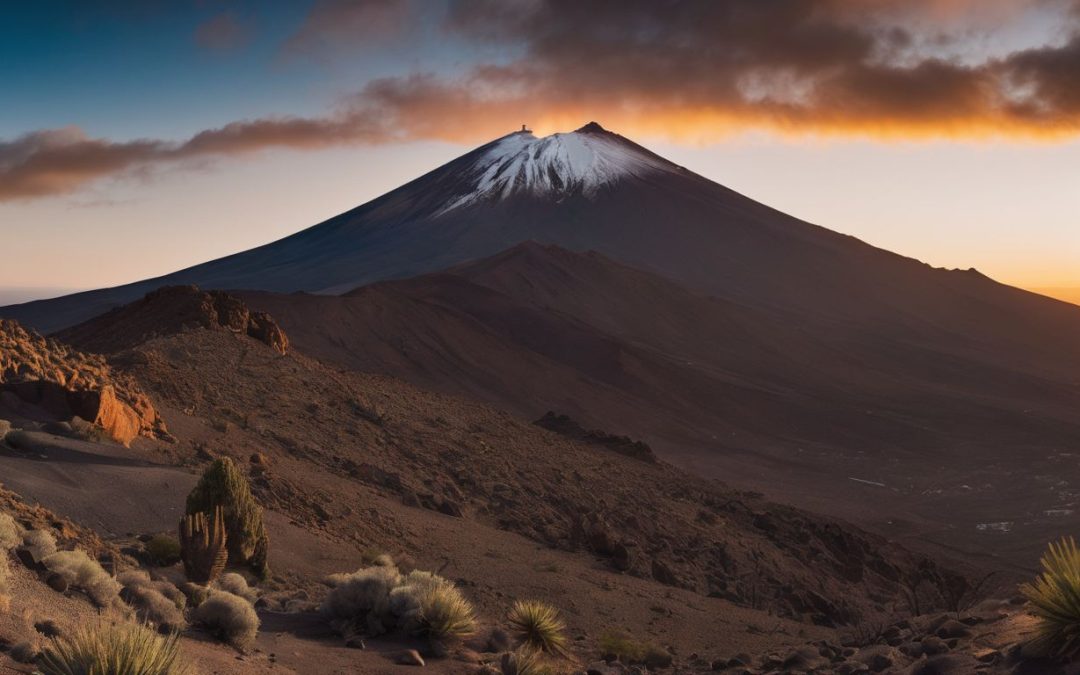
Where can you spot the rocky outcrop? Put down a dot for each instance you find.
(568, 427)
(171, 310)
(67, 384)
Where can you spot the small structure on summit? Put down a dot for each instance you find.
(525, 129)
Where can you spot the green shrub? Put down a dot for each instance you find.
(127, 649)
(229, 618)
(163, 550)
(82, 571)
(224, 484)
(538, 625)
(1055, 600)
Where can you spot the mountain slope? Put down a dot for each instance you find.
(957, 419)
(586, 190)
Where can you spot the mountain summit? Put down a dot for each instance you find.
(589, 189)
(579, 162)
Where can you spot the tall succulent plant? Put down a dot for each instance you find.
(224, 484)
(204, 545)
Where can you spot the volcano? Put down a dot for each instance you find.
(585, 190)
(583, 274)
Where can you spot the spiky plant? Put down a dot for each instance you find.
(444, 612)
(1055, 600)
(122, 649)
(203, 545)
(524, 661)
(224, 484)
(538, 625)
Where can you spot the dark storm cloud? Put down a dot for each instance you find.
(675, 67)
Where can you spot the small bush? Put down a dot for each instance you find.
(130, 649)
(524, 661)
(1055, 600)
(195, 593)
(224, 484)
(374, 600)
(229, 618)
(163, 550)
(629, 650)
(40, 543)
(11, 533)
(156, 602)
(231, 582)
(360, 602)
(82, 571)
(538, 625)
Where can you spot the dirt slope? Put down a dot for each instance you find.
(948, 425)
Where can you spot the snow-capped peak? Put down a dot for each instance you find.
(581, 161)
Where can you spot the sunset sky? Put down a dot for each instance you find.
(137, 138)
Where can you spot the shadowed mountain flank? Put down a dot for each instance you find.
(795, 404)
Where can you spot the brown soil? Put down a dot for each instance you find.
(948, 429)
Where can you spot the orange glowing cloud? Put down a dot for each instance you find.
(694, 70)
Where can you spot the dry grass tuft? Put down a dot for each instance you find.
(524, 661)
(538, 625)
(231, 582)
(360, 602)
(40, 543)
(122, 649)
(11, 533)
(1055, 600)
(82, 571)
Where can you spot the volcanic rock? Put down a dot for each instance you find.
(67, 383)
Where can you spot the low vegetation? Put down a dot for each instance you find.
(203, 545)
(628, 650)
(163, 550)
(1055, 600)
(81, 571)
(524, 661)
(11, 533)
(444, 612)
(537, 625)
(379, 599)
(127, 649)
(155, 602)
(224, 484)
(231, 582)
(359, 602)
(39, 543)
(229, 618)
